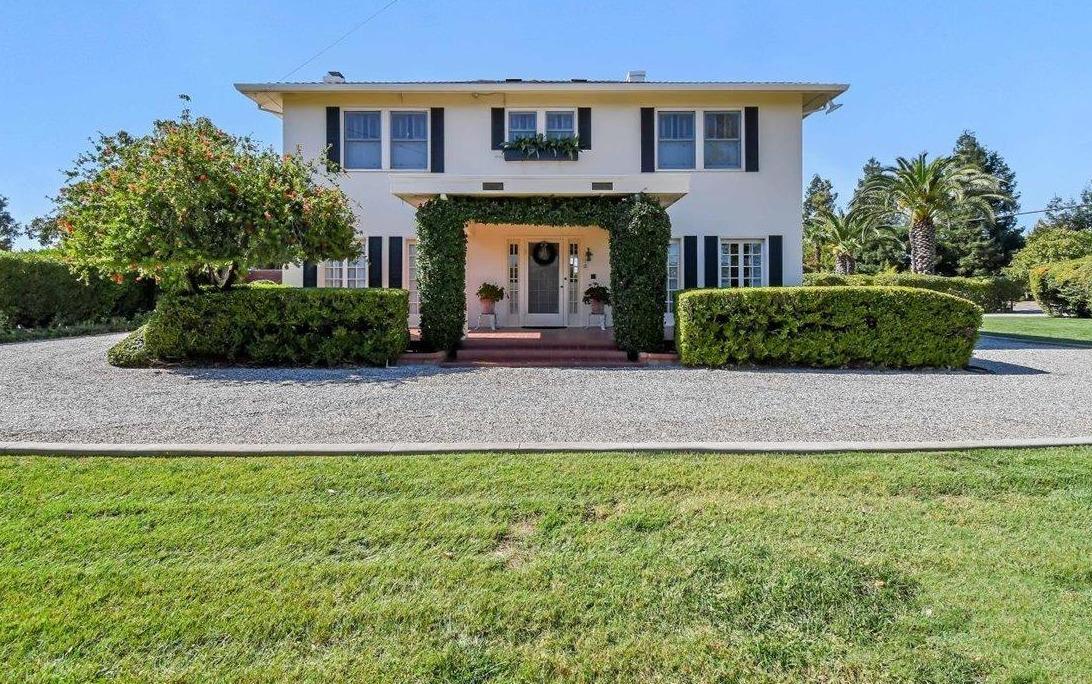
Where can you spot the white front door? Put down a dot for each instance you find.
(545, 285)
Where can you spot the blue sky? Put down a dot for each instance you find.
(1016, 73)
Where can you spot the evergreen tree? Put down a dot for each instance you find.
(9, 229)
(888, 254)
(1078, 218)
(976, 244)
(819, 199)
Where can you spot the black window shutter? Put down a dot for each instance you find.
(712, 261)
(690, 261)
(776, 260)
(498, 127)
(436, 121)
(750, 138)
(583, 127)
(333, 134)
(394, 262)
(375, 261)
(648, 139)
(310, 274)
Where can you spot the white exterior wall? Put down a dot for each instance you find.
(724, 203)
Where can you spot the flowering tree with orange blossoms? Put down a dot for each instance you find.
(190, 204)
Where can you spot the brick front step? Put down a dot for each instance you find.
(541, 354)
(572, 338)
(555, 363)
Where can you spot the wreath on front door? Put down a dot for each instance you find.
(544, 253)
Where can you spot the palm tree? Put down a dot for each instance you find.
(926, 194)
(847, 235)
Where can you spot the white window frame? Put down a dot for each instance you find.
(361, 262)
(345, 141)
(540, 119)
(739, 113)
(699, 139)
(678, 274)
(414, 288)
(385, 139)
(764, 264)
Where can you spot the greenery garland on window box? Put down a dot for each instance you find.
(541, 148)
(639, 231)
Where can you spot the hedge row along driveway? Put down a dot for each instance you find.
(893, 327)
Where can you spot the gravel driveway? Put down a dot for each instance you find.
(63, 391)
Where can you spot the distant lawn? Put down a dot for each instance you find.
(75, 330)
(1078, 330)
(954, 567)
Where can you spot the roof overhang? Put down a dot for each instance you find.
(418, 188)
(270, 96)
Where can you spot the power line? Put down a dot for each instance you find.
(343, 36)
(1043, 211)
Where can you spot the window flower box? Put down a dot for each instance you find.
(514, 154)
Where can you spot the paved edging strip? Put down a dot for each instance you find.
(172, 449)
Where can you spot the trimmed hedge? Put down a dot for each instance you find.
(1064, 288)
(281, 326)
(38, 290)
(992, 293)
(894, 327)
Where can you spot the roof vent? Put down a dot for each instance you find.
(333, 77)
(635, 76)
(513, 80)
(579, 80)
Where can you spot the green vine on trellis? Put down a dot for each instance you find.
(639, 231)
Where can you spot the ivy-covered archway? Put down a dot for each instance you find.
(639, 231)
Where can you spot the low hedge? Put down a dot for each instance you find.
(281, 326)
(131, 352)
(1064, 288)
(894, 327)
(992, 293)
(38, 290)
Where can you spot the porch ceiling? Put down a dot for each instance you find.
(418, 188)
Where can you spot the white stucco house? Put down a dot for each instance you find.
(724, 157)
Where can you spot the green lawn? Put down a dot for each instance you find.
(1078, 330)
(951, 567)
(75, 330)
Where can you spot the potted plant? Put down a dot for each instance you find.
(598, 296)
(489, 294)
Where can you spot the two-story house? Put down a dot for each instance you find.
(724, 157)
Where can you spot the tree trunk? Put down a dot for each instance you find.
(845, 264)
(193, 284)
(923, 246)
(225, 277)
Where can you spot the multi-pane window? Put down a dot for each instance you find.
(409, 140)
(414, 292)
(676, 140)
(522, 125)
(574, 278)
(346, 273)
(513, 278)
(740, 263)
(362, 140)
(560, 125)
(674, 269)
(722, 140)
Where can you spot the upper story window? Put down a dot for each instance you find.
(722, 140)
(362, 140)
(522, 125)
(676, 140)
(409, 140)
(560, 125)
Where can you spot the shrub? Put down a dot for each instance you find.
(1046, 246)
(281, 326)
(992, 293)
(38, 290)
(131, 352)
(1064, 288)
(894, 327)
(264, 283)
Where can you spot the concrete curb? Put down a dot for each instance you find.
(170, 449)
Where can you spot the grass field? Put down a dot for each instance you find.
(1034, 327)
(950, 567)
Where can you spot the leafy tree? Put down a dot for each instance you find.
(9, 228)
(925, 194)
(819, 199)
(979, 245)
(1048, 244)
(45, 231)
(1077, 218)
(847, 235)
(189, 202)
